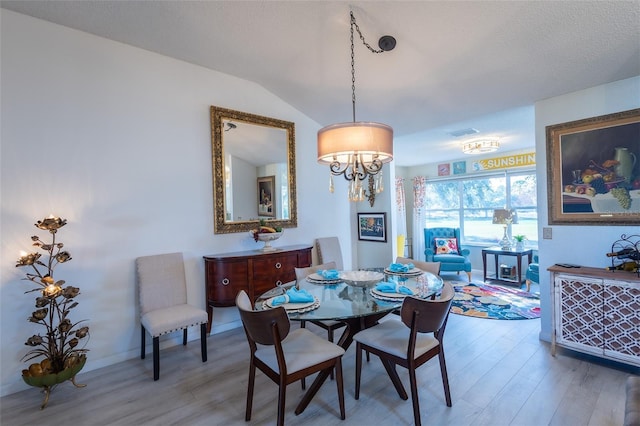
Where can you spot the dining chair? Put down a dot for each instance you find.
(328, 249)
(164, 309)
(433, 267)
(301, 274)
(285, 356)
(409, 342)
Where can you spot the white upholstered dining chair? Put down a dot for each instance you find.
(164, 309)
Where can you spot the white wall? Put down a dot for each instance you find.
(582, 245)
(117, 140)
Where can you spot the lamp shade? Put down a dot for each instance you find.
(339, 142)
(504, 216)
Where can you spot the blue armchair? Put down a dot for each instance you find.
(533, 273)
(451, 261)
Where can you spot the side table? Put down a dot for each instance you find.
(497, 252)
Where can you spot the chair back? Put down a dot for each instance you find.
(329, 251)
(243, 301)
(430, 315)
(259, 324)
(161, 281)
(433, 267)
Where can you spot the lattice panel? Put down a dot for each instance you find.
(581, 312)
(622, 319)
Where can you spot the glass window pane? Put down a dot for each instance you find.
(484, 192)
(443, 195)
(523, 191)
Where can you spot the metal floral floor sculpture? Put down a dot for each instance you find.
(58, 347)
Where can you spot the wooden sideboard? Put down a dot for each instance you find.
(253, 271)
(597, 311)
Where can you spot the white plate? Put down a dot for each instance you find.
(319, 279)
(412, 273)
(293, 306)
(375, 292)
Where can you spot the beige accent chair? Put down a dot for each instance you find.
(285, 356)
(163, 303)
(433, 267)
(409, 342)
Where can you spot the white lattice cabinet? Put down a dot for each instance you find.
(597, 312)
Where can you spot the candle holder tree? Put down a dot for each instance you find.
(58, 346)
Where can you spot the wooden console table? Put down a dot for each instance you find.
(253, 271)
(596, 311)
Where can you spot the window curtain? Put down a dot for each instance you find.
(419, 216)
(401, 211)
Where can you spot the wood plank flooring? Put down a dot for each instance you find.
(499, 372)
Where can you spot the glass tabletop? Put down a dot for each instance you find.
(339, 301)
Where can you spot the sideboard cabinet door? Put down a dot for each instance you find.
(622, 321)
(579, 319)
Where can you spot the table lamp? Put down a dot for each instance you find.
(505, 217)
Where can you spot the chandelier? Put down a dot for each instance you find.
(480, 146)
(358, 150)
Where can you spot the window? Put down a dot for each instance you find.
(468, 204)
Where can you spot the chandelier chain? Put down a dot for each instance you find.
(353, 64)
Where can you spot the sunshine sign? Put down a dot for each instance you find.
(506, 162)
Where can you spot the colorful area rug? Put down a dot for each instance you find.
(494, 302)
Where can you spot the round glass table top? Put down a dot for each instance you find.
(342, 301)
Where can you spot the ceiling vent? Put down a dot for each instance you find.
(463, 132)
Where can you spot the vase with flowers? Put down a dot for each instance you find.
(58, 351)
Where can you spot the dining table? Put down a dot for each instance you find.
(358, 304)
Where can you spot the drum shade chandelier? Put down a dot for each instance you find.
(358, 150)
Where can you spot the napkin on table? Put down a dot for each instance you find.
(293, 295)
(329, 274)
(390, 287)
(401, 267)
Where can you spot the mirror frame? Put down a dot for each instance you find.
(220, 225)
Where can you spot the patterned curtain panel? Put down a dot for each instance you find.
(401, 216)
(419, 216)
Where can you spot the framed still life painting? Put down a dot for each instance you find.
(593, 172)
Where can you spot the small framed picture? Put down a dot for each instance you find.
(372, 227)
(266, 202)
(444, 169)
(459, 167)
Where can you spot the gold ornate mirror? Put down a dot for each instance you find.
(254, 171)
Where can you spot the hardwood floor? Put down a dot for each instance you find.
(499, 372)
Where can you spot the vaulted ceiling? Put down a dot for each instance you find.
(457, 64)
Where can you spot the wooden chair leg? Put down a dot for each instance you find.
(340, 385)
(252, 380)
(142, 342)
(469, 275)
(184, 337)
(203, 341)
(358, 369)
(528, 284)
(414, 396)
(282, 394)
(445, 377)
(156, 358)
